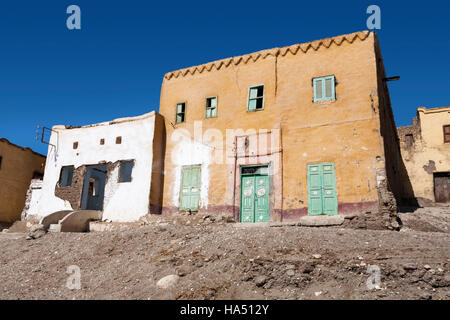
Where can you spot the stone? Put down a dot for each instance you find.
(290, 272)
(167, 281)
(427, 267)
(260, 281)
(321, 221)
(36, 231)
(317, 256)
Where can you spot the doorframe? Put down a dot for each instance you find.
(269, 176)
(85, 185)
(181, 183)
(307, 185)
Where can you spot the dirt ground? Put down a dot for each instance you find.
(219, 260)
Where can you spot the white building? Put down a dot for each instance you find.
(115, 167)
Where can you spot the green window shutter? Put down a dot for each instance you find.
(180, 111)
(253, 93)
(324, 88)
(255, 98)
(252, 105)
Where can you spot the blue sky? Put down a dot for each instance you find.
(113, 66)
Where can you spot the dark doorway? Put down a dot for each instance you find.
(94, 188)
(442, 186)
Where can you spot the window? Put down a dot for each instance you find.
(1, 158)
(255, 98)
(180, 111)
(75, 145)
(65, 179)
(447, 133)
(125, 170)
(211, 107)
(118, 140)
(409, 140)
(102, 141)
(324, 88)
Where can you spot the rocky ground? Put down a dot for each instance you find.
(220, 260)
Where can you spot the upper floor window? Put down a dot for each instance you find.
(211, 107)
(447, 133)
(255, 98)
(65, 179)
(1, 158)
(180, 112)
(324, 88)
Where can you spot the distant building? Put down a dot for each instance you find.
(18, 166)
(425, 146)
(282, 133)
(112, 167)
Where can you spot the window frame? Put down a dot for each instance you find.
(258, 97)
(120, 170)
(333, 88)
(206, 107)
(446, 140)
(61, 176)
(176, 112)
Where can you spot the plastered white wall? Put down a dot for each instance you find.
(189, 152)
(123, 201)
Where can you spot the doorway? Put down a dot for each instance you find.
(322, 194)
(190, 188)
(254, 194)
(442, 186)
(94, 188)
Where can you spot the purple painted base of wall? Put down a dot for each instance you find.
(287, 215)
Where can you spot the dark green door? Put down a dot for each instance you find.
(190, 188)
(322, 195)
(254, 198)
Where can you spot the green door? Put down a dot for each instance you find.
(255, 198)
(190, 188)
(322, 195)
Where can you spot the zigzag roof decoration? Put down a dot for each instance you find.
(293, 49)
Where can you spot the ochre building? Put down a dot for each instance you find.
(282, 133)
(17, 167)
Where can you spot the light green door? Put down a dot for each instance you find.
(322, 195)
(255, 198)
(190, 188)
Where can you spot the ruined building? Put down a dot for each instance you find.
(18, 166)
(282, 133)
(425, 146)
(112, 167)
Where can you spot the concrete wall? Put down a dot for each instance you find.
(345, 131)
(428, 153)
(126, 201)
(17, 169)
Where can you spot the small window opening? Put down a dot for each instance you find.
(180, 112)
(75, 145)
(102, 141)
(447, 133)
(211, 107)
(255, 98)
(125, 170)
(66, 176)
(409, 140)
(1, 158)
(118, 140)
